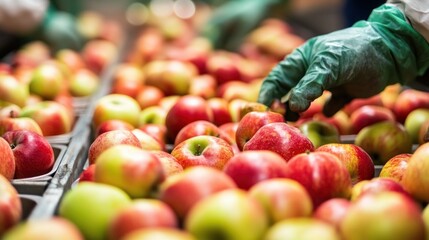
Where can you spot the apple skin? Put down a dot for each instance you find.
(222, 65)
(52, 117)
(33, 154)
(203, 150)
(130, 168)
(152, 115)
(128, 79)
(149, 96)
(280, 137)
(142, 213)
(395, 167)
(10, 205)
(169, 163)
(183, 190)
(424, 133)
(97, 53)
(19, 123)
(304, 228)
(88, 174)
(8, 109)
(413, 122)
(322, 174)
(83, 83)
(242, 218)
(112, 124)
(158, 131)
(109, 139)
(359, 102)
(282, 198)
(333, 211)
(320, 132)
(383, 140)
(116, 106)
(357, 161)
(159, 234)
(404, 221)
(414, 179)
(47, 80)
(407, 101)
(185, 110)
(7, 159)
(369, 114)
(51, 228)
(71, 58)
(204, 86)
(13, 91)
(91, 206)
(221, 113)
(251, 122)
(197, 128)
(147, 141)
(375, 185)
(250, 167)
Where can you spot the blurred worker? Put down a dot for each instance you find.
(25, 20)
(356, 62)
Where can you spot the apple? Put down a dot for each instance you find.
(71, 58)
(242, 218)
(152, 115)
(10, 203)
(407, 101)
(369, 114)
(185, 110)
(142, 213)
(158, 131)
(7, 159)
(169, 163)
(400, 216)
(340, 119)
(147, 141)
(116, 106)
(221, 113)
(52, 117)
(383, 140)
(32, 53)
(250, 167)
(251, 123)
(235, 107)
(322, 174)
(320, 132)
(316, 106)
(97, 53)
(47, 80)
(203, 150)
(252, 107)
(49, 228)
(83, 83)
(414, 121)
(148, 45)
(112, 124)
(8, 109)
(279, 137)
(88, 174)
(32, 152)
(204, 86)
(282, 198)
(159, 234)
(375, 185)
(197, 128)
(423, 135)
(414, 178)
(109, 139)
(222, 65)
(19, 123)
(395, 167)
(359, 102)
(91, 207)
(149, 96)
(128, 79)
(12, 91)
(183, 190)
(304, 228)
(333, 211)
(357, 161)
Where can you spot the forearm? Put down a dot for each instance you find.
(22, 16)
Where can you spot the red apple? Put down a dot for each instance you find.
(169, 163)
(414, 179)
(223, 67)
(183, 190)
(158, 131)
(147, 141)
(71, 58)
(221, 113)
(10, 205)
(197, 128)
(333, 211)
(409, 100)
(141, 214)
(19, 123)
(128, 79)
(251, 123)
(13, 91)
(322, 174)
(97, 53)
(185, 110)
(112, 124)
(375, 185)
(203, 86)
(359, 102)
(395, 167)
(149, 96)
(33, 154)
(357, 161)
(7, 159)
(247, 168)
(280, 137)
(109, 139)
(47, 80)
(203, 150)
(88, 174)
(282, 198)
(369, 114)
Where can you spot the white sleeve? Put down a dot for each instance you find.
(21, 16)
(417, 12)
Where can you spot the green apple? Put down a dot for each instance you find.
(320, 132)
(152, 114)
(415, 179)
(83, 83)
(159, 234)
(47, 80)
(12, 91)
(229, 214)
(302, 229)
(413, 122)
(91, 206)
(130, 168)
(116, 106)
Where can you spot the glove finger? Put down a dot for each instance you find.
(336, 102)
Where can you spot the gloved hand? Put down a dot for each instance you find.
(356, 62)
(232, 21)
(59, 30)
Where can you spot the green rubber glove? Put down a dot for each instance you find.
(232, 21)
(59, 30)
(356, 62)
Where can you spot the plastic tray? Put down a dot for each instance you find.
(29, 203)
